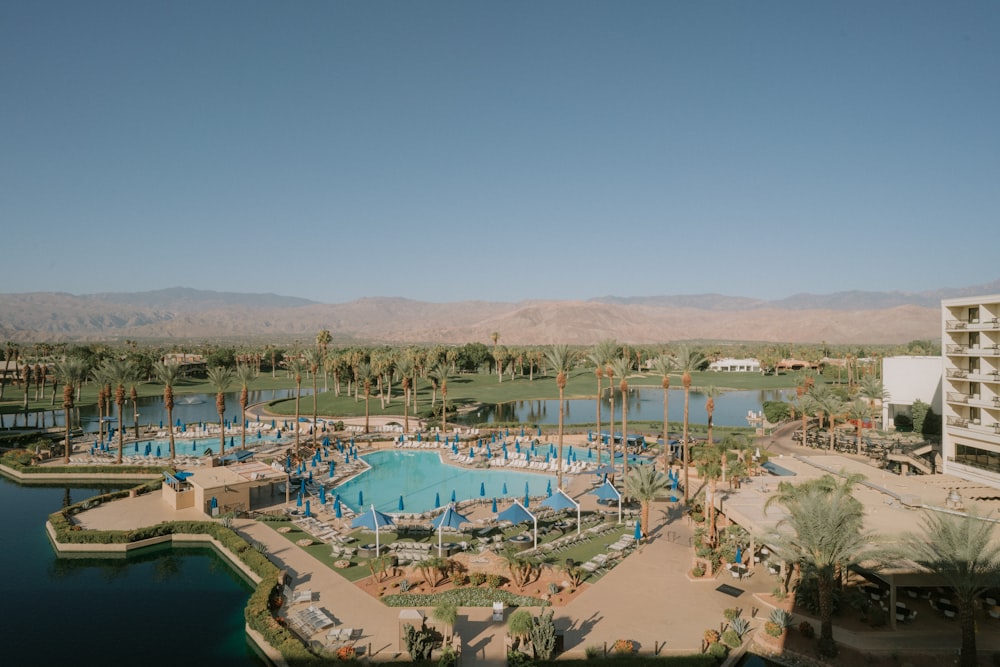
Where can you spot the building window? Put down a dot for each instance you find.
(974, 315)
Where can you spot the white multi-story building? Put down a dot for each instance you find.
(735, 365)
(970, 341)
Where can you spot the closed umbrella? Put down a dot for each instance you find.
(361, 498)
(638, 531)
(401, 505)
(482, 489)
(322, 495)
(494, 509)
(298, 500)
(739, 556)
(337, 511)
(333, 466)
(504, 490)
(453, 495)
(437, 500)
(308, 513)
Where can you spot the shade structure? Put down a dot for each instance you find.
(373, 520)
(606, 469)
(560, 500)
(607, 491)
(518, 513)
(450, 518)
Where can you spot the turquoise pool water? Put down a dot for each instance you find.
(185, 445)
(419, 476)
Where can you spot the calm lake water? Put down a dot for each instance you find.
(644, 404)
(163, 607)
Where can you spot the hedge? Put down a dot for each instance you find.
(463, 597)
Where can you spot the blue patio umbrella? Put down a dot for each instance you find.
(494, 437)
(214, 503)
(607, 491)
(373, 520)
(504, 491)
(326, 442)
(561, 501)
(739, 556)
(157, 451)
(298, 500)
(161, 423)
(453, 495)
(482, 489)
(539, 431)
(517, 447)
(137, 448)
(522, 431)
(527, 500)
(274, 424)
(231, 441)
(178, 422)
(437, 437)
(504, 453)
(548, 456)
(184, 428)
(437, 500)
(450, 518)
(337, 511)
(548, 487)
(308, 513)
(322, 495)
(494, 510)
(518, 513)
(401, 505)
(418, 437)
(361, 498)
(638, 531)
(259, 435)
(333, 467)
(288, 461)
(310, 476)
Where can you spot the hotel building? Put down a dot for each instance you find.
(970, 346)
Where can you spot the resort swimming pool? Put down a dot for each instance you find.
(421, 478)
(185, 445)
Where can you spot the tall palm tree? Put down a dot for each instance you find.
(663, 365)
(439, 377)
(872, 389)
(960, 550)
(622, 369)
(823, 534)
(133, 395)
(297, 366)
(859, 412)
(710, 391)
(686, 361)
(221, 377)
(834, 408)
(245, 375)
(405, 370)
(609, 370)
(119, 372)
(168, 374)
(645, 484)
(314, 358)
(69, 371)
(323, 339)
(363, 376)
(601, 354)
(710, 460)
(561, 359)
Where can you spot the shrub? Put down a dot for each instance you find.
(458, 579)
(773, 629)
(449, 658)
(623, 647)
(711, 636)
(419, 643)
(346, 653)
(779, 593)
(477, 578)
(807, 630)
(543, 636)
(593, 652)
(404, 585)
(740, 626)
(730, 638)
(494, 580)
(781, 617)
(518, 659)
(718, 651)
(553, 588)
(697, 571)
(731, 613)
(520, 624)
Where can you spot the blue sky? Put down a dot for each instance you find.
(501, 151)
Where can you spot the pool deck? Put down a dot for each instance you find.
(670, 615)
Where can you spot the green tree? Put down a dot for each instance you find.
(245, 375)
(687, 361)
(221, 377)
(168, 374)
(314, 358)
(961, 550)
(711, 392)
(664, 365)
(323, 340)
(70, 371)
(823, 534)
(645, 483)
(297, 366)
(561, 359)
(622, 370)
(119, 373)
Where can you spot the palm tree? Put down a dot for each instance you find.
(245, 375)
(119, 373)
(314, 358)
(710, 391)
(168, 374)
(609, 370)
(859, 412)
(221, 377)
(960, 550)
(602, 353)
(69, 371)
(561, 359)
(297, 367)
(439, 379)
(363, 376)
(686, 361)
(323, 339)
(710, 462)
(664, 365)
(871, 388)
(405, 370)
(622, 370)
(645, 483)
(831, 405)
(823, 534)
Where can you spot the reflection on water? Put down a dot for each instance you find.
(645, 404)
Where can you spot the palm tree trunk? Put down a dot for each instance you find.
(121, 430)
(170, 429)
(687, 452)
(827, 647)
(611, 434)
(967, 622)
(562, 410)
(625, 434)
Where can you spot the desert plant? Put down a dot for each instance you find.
(593, 652)
(740, 626)
(623, 647)
(730, 638)
(807, 630)
(520, 624)
(718, 651)
(477, 578)
(781, 617)
(404, 585)
(419, 643)
(773, 629)
(543, 636)
(697, 571)
(449, 658)
(553, 588)
(731, 613)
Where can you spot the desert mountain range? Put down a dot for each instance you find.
(184, 313)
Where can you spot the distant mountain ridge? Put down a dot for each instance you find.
(180, 313)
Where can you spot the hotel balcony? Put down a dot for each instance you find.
(979, 351)
(955, 397)
(974, 325)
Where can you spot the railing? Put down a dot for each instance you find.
(990, 467)
(956, 373)
(954, 397)
(958, 421)
(953, 325)
(957, 349)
